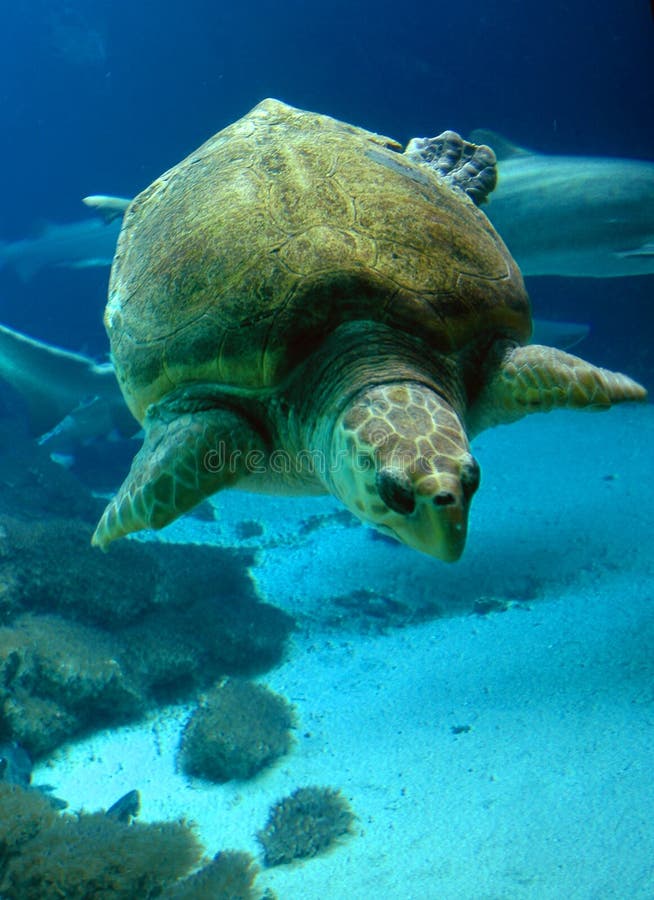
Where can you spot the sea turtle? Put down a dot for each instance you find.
(301, 307)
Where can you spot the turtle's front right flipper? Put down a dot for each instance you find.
(538, 379)
(184, 459)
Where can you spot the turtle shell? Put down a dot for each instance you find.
(233, 266)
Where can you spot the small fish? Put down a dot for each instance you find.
(126, 808)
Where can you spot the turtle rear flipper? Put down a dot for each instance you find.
(468, 167)
(538, 379)
(184, 459)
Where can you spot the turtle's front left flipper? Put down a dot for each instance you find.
(538, 379)
(184, 459)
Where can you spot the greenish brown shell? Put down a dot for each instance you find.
(236, 263)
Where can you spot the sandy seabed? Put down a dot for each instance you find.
(503, 755)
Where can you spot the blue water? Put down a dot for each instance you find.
(101, 96)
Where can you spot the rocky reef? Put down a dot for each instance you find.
(44, 853)
(237, 730)
(308, 822)
(89, 639)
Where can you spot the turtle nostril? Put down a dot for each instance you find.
(444, 498)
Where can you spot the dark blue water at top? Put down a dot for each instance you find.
(101, 97)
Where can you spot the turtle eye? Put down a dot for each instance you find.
(470, 477)
(394, 488)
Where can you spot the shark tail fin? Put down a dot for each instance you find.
(643, 251)
(501, 146)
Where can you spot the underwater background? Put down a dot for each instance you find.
(103, 96)
(491, 724)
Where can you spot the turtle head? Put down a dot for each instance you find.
(401, 462)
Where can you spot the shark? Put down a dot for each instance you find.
(69, 397)
(72, 400)
(88, 242)
(576, 216)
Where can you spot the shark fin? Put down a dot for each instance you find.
(109, 208)
(644, 250)
(90, 263)
(501, 146)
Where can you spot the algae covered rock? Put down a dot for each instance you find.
(305, 824)
(58, 677)
(103, 856)
(229, 876)
(237, 730)
(52, 566)
(88, 640)
(23, 814)
(46, 854)
(203, 630)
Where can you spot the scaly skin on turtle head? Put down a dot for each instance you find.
(400, 461)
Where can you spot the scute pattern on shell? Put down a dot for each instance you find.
(236, 263)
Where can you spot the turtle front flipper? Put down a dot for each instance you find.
(535, 378)
(184, 459)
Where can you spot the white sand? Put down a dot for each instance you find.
(549, 795)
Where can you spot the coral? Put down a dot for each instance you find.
(37, 723)
(45, 854)
(89, 639)
(88, 855)
(229, 876)
(57, 678)
(53, 567)
(192, 644)
(25, 813)
(238, 729)
(305, 824)
(77, 665)
(96, 854)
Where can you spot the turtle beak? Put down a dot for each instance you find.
(436, 528)
(433, 527)
(431, 516)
